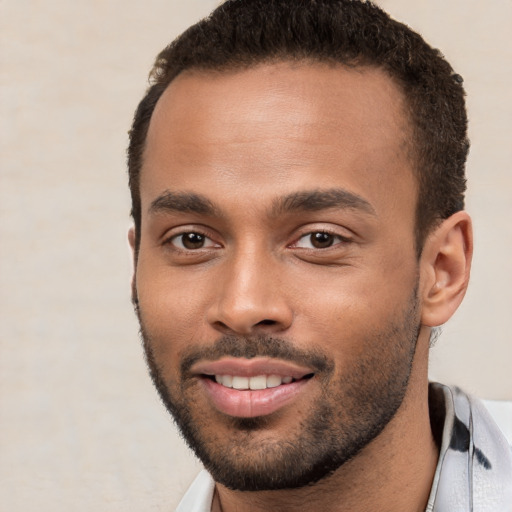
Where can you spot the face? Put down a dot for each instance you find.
(276, 279)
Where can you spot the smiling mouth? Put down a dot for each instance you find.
(254, 383)
(247, 388)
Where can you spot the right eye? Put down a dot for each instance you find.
(192, 240)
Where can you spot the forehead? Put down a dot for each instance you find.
(279, 126)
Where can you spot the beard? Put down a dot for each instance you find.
(350, 411)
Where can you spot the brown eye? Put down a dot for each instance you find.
(321, 240)
(191, 241)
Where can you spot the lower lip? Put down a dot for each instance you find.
(252, 403)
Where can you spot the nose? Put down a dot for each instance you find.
(251, 297)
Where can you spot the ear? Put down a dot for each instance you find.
(132, 239)
(445, 266)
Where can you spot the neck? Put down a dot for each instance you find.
(393, 472)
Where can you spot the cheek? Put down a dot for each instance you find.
(172, 311)
(347, 308)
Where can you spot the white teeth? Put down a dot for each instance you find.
(227, 380)
(273, 381)
(255, 383)
(240, 382)
(259, 382)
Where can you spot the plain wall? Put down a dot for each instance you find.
(81, 427)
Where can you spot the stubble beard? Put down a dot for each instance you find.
(352, 409)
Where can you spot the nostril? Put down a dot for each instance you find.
(267, 322)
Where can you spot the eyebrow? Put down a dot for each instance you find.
(309, 200)
(182, 202)
(316, 200)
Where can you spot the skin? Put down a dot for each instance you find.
(243, 141)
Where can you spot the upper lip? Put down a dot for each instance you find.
(251, 367)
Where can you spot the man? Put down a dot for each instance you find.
(297, 180)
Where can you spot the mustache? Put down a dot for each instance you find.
(250, 347)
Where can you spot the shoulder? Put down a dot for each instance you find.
(475, 461)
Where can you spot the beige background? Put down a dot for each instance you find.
(80, 425)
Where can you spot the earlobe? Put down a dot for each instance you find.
(445, 268)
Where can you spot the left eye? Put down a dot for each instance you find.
(318, 240)
(192, 240)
